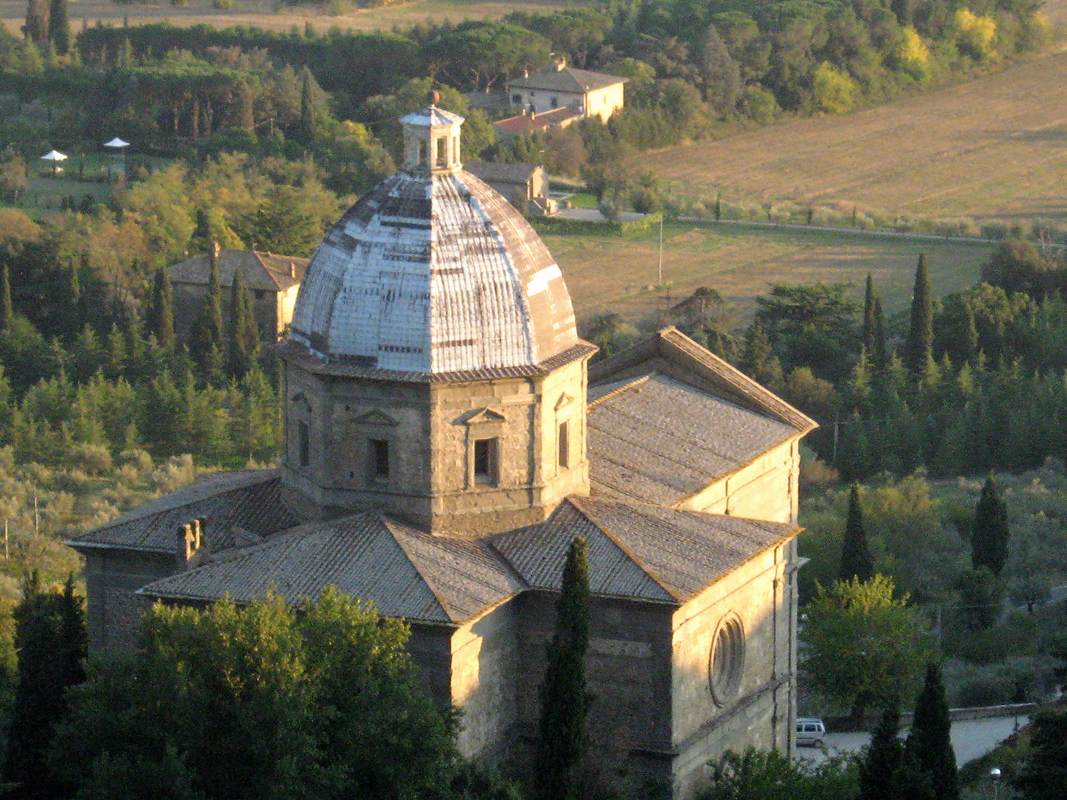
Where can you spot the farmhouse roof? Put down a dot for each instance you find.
(259, 270)
(567, 79)
(528, 123)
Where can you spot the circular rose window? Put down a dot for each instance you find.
(727, 659)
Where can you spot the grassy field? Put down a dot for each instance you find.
(264, 15)
(991, 148)
(611, 273)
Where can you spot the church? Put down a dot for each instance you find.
(447, 438)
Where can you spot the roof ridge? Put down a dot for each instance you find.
(577, 503)
(265, 268)
(624, 388)
(389, 524)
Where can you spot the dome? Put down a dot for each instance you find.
(433, 272)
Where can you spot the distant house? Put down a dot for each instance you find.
(559, 97)
(273, 280)
(522, 184)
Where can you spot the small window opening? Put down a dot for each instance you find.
(442, 152)
(303, 443)
(555, 102)
(564, 446)
(455, 149)
(423, 153)
(516, 99)
(379, 459)
(485, 460)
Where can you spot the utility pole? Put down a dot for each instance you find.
(7, 554)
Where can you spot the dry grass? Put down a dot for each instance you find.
(263, 15)
(608, 273)
(991, 148)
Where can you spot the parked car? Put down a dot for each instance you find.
(810, 732)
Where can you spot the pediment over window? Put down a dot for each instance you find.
(564, 401)
(300, 401)
(483, 415)
(374, 417)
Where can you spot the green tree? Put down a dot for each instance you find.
(719, 73)
(59, 26)
(870, 331)
(308, 112)
(51, 642)
(920, 345)
(865, 646)
(562, 740)
(7, 309)
(856, 559)
(208, 334)
(990, 535)
(287, 223)
(1044, 773)
(266, 701)
(770, 775)
(244, 333)
(981, 598)
(160, 315)
(930, 738)
(882, 758)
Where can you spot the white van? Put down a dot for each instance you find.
(810, 731)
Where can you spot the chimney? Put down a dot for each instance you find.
(292, 270)
(190, 541)
(560, 63)
(526, 72)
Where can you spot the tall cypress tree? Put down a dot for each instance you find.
(989, 539)
(307, 108)
(161, 311)
(856, 559)
(929, 739)
(7, 308)
(562, 742)
(880, 352)
(921, 332)
(870, 331)
(59, 26)
(208, 333)
(883, 758)
(1044, 773)
(243, 333)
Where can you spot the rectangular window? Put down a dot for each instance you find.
(379, 459)
(485, 458)
(563, 446)
(303, 443)
(555, 102)
(516, 99)
(442, 152)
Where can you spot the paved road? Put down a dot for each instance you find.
(971, 739)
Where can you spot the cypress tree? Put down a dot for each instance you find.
(208, 334)
(989, 539)
(72, 634)
(561, 743)
(161, 311)
(869, 323)
(970, 342)
(929, 739)
(246, 119)
(7, 308)
(921, 331)
(855, 557)
(243, 334)
(880, 352)
(59, 26)
(882, 759)
(37, 27)
(307, 108)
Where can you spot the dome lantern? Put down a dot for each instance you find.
(432, 141)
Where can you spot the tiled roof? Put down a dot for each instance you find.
(659, 440)
(567, 79)
(404, 572)
(431, 116)
(490, 171)
(265, 271)
(636, 550)
(248, 501)
(529, 123)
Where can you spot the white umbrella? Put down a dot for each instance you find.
(55, 157)
(116, 142)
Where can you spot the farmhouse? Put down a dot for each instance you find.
(524, 185)
(446, 440)
(560, 96)
(273, 280)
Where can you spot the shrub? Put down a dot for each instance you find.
(835, 91)
(975, 34)
(759, 105)
(93, 458)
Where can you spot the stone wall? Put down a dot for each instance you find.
(112, 578)
(604, 102)
(767, 488)
(759, 710)
(268, 308)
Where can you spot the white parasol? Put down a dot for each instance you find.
(55, 157)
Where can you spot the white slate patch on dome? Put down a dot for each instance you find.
(434, 274)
